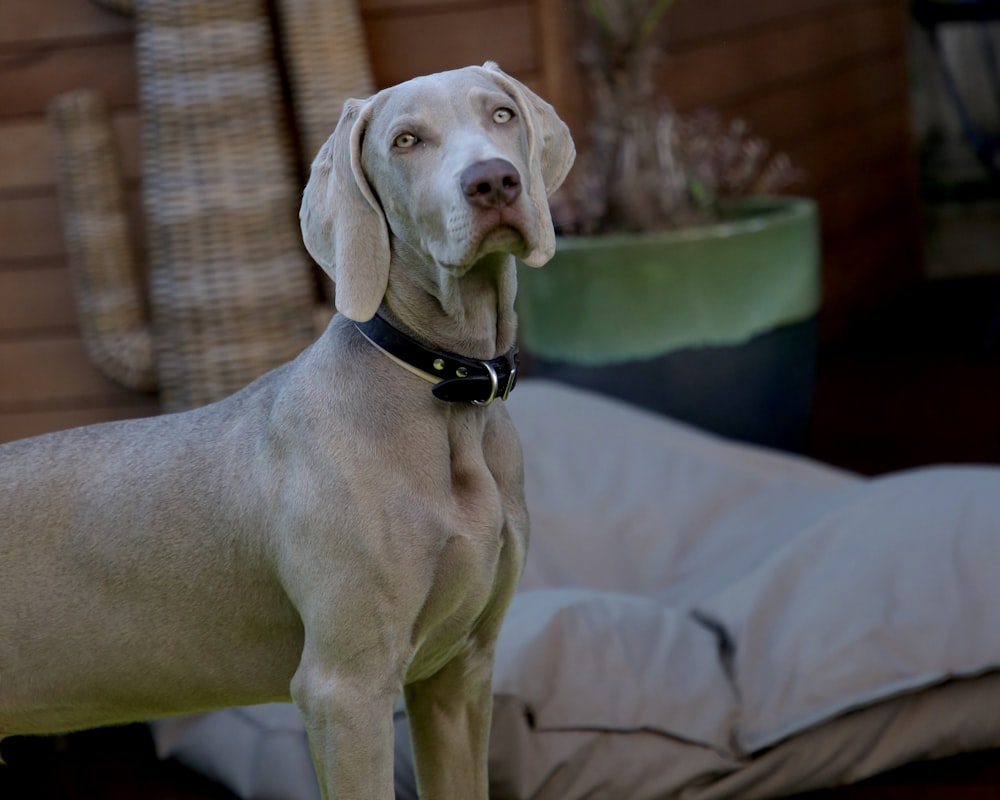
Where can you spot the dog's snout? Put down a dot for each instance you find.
(491, 183)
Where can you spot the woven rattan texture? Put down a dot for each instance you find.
(325, 53)
(231, 286)
(110, 308)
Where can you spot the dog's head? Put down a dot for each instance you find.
(446, 168)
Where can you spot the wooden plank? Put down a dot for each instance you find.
(403, 46)
(720, 71)
(789, 116)
(31, 226)
(873, 190)
(24, 423)
(27, 151)
(862, 271)
(52, 369)
(31, 77)
(562, 87)
(36, 299)
(32, 21)
(841, 148)
(371, 7)
(696, 20)
(26, 154)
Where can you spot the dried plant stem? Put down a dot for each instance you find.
(646, 167)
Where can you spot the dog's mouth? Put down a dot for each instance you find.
(505, 238)
(474, 237)
(506, 232)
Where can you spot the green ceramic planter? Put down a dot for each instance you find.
(715, 326)
(611, 299)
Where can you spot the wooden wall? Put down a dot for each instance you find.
(824, 79)
(48, 47)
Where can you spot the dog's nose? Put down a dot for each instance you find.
(492, 183)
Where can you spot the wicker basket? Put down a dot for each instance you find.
(110, 307)
(232, 290)
(324, 49)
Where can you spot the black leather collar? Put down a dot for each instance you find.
(458, 379)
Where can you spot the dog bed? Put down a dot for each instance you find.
(703, 619)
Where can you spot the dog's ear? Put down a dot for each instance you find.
(551, 153)
(343, 226)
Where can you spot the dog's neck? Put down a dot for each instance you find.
(471, 314)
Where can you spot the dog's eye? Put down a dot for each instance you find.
(405, 140)
(502, 115)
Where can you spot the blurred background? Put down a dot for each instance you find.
(851, 90)
(890, 111)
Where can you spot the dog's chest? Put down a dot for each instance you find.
(479, 561)
(470, 587)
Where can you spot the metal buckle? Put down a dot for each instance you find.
(494, 386)
(512, 377)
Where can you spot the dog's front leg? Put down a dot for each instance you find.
(449, 717)
(349, 722)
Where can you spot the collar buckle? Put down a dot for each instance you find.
(494, 385)
(515, 366)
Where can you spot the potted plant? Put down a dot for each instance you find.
(681, 282)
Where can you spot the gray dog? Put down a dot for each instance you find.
(347, 528)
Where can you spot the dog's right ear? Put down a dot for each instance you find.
(343, 226)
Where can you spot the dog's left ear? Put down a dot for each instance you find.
(343, 226)
(551, 153)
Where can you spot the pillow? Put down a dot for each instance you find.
(890, 590)
(624, 500)
(580, 659)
